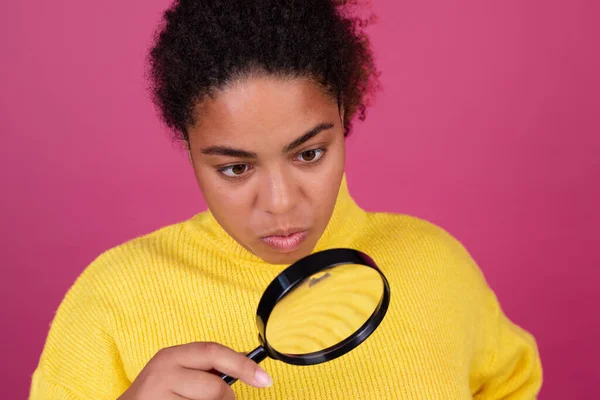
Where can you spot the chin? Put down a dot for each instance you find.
(273, 257)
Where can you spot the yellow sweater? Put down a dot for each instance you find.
(444, 336)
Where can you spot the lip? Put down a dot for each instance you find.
(285, 241)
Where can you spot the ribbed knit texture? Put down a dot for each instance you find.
(444, 337)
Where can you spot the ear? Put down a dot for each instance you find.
(189, 152)
(342, 114)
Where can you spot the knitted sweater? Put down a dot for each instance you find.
(445, 335)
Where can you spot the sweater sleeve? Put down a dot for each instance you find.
(80, 359)
(507, 363)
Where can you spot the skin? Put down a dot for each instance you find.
(288, 180)
(275, 187)
(186, 372)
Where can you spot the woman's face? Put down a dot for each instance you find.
(268, 154)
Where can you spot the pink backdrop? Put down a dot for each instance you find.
(487, 125)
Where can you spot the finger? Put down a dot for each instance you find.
(175, 396)
(172, 396)
(214, 371)
(200, 385)
(208, 355)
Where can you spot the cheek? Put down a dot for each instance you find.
(230, 207)
(230, 203)
(325, 190)
(219, 197)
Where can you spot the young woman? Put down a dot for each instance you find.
(263, 93)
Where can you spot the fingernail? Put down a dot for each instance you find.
(262, 379)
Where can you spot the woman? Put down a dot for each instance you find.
(263, 94)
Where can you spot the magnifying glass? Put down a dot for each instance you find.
(320, 308)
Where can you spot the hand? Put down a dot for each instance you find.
(188, 372)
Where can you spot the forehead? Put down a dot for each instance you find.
(262, 110)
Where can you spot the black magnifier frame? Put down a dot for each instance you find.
(293, 276)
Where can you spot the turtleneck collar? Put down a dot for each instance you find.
(343, 226)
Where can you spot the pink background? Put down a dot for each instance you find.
(487, 125)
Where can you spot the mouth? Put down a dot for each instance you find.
(285, 241)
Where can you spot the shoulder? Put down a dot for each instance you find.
(394, 228)
(131, 263)
(115, 281)
(417, 243)
(135, 253)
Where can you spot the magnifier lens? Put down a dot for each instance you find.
(320, 308)
(324, 310)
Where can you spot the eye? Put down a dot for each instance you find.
(234, 171)
(310, 156)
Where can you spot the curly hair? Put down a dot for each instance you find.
(202, 45)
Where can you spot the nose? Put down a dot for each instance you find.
(279, 195)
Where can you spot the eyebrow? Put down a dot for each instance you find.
(239, 153)
(228, 152)
(307, 136)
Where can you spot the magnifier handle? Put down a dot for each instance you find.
(257, 355)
